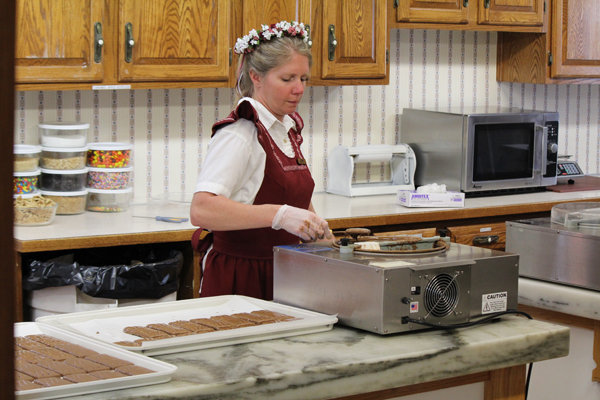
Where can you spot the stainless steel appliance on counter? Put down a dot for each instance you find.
(483, 152)
(385, 294)
(563, 248)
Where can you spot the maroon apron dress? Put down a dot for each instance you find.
(241, 262)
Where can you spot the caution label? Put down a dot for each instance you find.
(494, 302)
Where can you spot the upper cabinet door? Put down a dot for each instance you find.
(354, 37)
(512, 12)
(55, 41)
(576, 39)
(433, 11)
(266, 12)
(166, 40)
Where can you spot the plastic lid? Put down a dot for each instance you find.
(64, 171)
(60, 125)
(75, 193)
(111, 191)
(28, 173)
(94, 169)
(574, 215)
(64, 149)
(26, 149)
(110, 146)
(36, 192)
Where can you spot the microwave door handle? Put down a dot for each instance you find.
(541, 138)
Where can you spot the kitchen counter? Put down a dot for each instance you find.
(111, 229)
(347, 362)
(94, 230)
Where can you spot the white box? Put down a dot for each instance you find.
(410, 198)
(69, 299)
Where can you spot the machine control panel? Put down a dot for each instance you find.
(551, 148)
(568, 169)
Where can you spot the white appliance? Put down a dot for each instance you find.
(342, 162)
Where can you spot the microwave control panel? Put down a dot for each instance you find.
(551, 149)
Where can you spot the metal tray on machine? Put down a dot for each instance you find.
(163, 371)
(107, 325)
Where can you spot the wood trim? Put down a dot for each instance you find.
(506, 383)
(421, 387)
(28, 246)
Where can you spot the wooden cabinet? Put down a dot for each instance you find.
(55, 41)
(569, 53)
(349, 38)
(180, 43)
(490, 236)
(496, 15)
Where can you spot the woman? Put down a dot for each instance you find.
(254, 190)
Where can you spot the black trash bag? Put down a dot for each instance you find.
(130, 273)
(52, 273)
(136, 281)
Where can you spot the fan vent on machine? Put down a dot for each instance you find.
(441, 295)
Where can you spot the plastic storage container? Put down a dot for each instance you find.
(63, 134)
(69, 203)
(27, 157)
(34, 211)
(56, 180)
(111, 178)
(67, 158)
(26, 182)
(109, 155)
(109, 200)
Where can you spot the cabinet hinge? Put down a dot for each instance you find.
(550, 58)
(230, 57)
(387, 56)
(396, 3)
(544, 7)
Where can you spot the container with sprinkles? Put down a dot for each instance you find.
(111, 178)
(25, 182)
(65, 180)
(102, 200)
(109, 155)
(27, 157)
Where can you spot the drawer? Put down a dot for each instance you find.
(490, 236)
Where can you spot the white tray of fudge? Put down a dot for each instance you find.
(172, 327)
(52, 363)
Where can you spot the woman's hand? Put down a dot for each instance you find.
(305, 224)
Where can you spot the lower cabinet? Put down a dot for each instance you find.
(490, 236)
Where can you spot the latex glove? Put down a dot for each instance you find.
(307, 225)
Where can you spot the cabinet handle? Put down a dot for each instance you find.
(486, 239)
(309, 41)
(332, 42)
(129, 42)
(486, 3)
(465, 3)
(98, 42)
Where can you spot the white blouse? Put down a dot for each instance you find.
(235, 161)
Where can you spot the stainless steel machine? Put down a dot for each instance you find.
(564, 248)
(390, 293)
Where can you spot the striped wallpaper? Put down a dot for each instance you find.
(170, 128)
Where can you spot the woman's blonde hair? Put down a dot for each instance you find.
(267, 56)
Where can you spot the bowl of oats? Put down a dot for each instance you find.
(34, 210)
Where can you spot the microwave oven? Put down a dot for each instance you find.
(483, 153)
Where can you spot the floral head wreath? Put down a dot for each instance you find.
(253, 39)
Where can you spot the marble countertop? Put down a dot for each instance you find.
(346, 361)
(560, 298)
